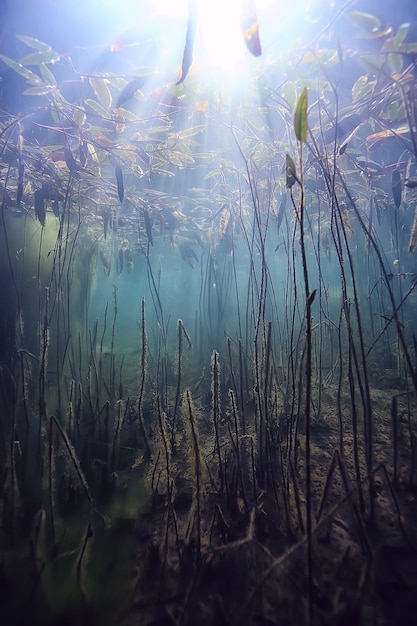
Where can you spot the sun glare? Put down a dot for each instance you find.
(219, 43)
(221, 40)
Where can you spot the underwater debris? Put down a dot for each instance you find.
(188, 254)
(345, 127)
(129, 260)
(168, 219)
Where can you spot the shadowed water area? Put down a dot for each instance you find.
(208, 313)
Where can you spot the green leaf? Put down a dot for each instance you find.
(79, 116)
(47, 74)
(23, 71)
(363, 87)
(41, 90)
(190, 132)
(102, 91)
(36, 44)
(97, 108)
(35, 58)
(158, 129)
(211, 174)
(402, 33)
(300, 117)
(395, 61)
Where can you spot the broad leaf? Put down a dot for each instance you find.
(102, 91)
(79, 116)
(363, 87)
(300, 117)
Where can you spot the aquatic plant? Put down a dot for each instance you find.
(276, 226)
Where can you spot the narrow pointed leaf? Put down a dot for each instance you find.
(119, 180)
(47, 74)
(41, 46)
(23, 71)
(41, 90)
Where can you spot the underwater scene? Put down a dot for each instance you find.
(208, 313)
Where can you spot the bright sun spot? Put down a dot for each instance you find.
(219, 42)
(222, 43)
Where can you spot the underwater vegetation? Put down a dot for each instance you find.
(208, 346)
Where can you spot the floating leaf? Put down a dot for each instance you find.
(102, 91)
(300, 117)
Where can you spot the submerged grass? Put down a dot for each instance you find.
(256, 453)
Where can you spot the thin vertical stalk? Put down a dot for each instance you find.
(215, 407)
(143, 371)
